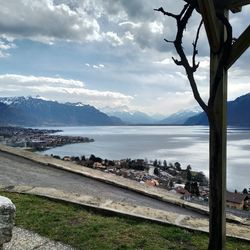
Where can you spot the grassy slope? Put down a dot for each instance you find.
(87, 229)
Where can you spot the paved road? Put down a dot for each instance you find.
(15, 170)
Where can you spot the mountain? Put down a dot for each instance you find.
(136, 117)
(30, 111)
(238, 113)
(11, 116)
(128, 116)
(180, 117)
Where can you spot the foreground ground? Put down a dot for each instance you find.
(87, 229)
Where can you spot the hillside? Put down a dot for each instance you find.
(30, 111)
(238, 113)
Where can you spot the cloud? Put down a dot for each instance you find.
(118, 22)
(113, 38)
(34, 80)
(95, 66)
(5, 46)
(60, 89)
(42, 20)
(116, 45)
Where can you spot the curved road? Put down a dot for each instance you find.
(15, 170)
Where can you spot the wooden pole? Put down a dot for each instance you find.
(217, 154)
(239, 47)
(207, 10)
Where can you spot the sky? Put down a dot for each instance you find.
(106, 53)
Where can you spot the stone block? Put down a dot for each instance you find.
(7, 217)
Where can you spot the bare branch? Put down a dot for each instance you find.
(182, 20)
(181, 26)
(177, 62)
(183, 10)
(195, 50)
(168, 41)
(166, 13)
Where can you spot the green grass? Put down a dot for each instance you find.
(87, 229)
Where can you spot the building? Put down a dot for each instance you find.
(237, 200)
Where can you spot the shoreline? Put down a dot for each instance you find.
(37, 139)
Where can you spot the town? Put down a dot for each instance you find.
(192, 185)
(37, 139)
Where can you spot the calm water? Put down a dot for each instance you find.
(187, 145)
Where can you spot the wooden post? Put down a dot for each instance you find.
(207, 10)
(217, 157)
(239, 47)
(217, 152)
(218, 127)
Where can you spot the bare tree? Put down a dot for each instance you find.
(216, 199)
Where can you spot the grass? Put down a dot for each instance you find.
(87, 229)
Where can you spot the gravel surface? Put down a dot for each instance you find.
(23, 239)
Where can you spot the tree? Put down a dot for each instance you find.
(157, 171)
(155, 163)
(244, 191)
(188, 167)
(223, 53)
(177, 166)
(165, 163)
(189, 175)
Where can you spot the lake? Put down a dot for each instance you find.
(185, 144)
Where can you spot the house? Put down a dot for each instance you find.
(66, 158)
(186, 195)
(98, 165)
(152, 182)
(237, 200)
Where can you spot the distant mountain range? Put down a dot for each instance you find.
(28, 111)
(238, 113)
(136, 117)
(128, 116)
(179, 118)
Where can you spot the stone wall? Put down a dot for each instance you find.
(7, 216)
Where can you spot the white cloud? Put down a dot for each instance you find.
(41, 80)
(95, 66)
(166, 61)
(113, 38)
(5, 46)
(130, 24)
(60, 89)
(156, 27)
(42, 20)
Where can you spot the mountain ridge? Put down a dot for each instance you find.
(29, 111)
(237, 113)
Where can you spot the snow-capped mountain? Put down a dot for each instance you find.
(31, 111)
(129, 116)
(181, 116)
